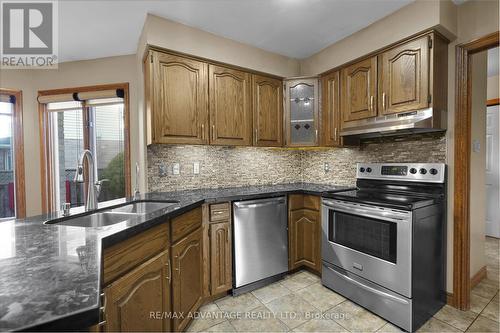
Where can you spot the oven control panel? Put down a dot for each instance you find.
(419, 172)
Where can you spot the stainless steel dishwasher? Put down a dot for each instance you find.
(260, 242)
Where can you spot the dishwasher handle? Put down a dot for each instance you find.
(259, 202)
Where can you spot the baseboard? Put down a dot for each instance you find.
(450, 299)
(478, 277)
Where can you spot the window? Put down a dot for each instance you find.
(98, 123)
(12, 197)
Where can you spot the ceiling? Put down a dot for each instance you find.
(294, 28)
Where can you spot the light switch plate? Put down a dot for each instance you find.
(326, 167)
(176, 169)
(476, 146)
(196, 168)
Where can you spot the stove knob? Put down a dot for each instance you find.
(361, 169)
(423, 171)
(433, 171)
(413, 171)
(368, 170)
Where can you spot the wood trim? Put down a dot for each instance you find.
(492, 102)
(383, 49)
(45, 148)
(478, 277)
(461, 197)
(151, 47)
(19, 177)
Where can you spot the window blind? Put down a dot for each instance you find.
(82, 96)
(6, 98)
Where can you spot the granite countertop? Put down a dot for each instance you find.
(50, 274)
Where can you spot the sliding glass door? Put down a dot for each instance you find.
(7, 193)
(12, 198)
(96, 124)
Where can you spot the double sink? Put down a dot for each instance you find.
(114, 215)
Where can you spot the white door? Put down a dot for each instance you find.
(492, 172)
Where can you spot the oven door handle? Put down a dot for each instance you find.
(373, 213)
(368, 288)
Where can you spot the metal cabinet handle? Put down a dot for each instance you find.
(383, 101)
(169, 276)
(213, 133)
(178, 268)
(371, 102)
(256, 138)
(335, 134)
(202, 132)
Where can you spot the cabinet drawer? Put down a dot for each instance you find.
(184, 224)
(219, 212)
(125, 256)
(304, 201)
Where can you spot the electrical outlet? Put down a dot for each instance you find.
(476, 146)
(162, 170)
(196, 168)
(176, 169)
(326, 167)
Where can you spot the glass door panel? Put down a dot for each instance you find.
(7, 170)
(67, 141)
(109, 146)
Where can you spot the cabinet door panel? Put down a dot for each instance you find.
(220, 257)
(131, 299)
(405, 77)
(301, 112)
(187, 280)
(267, 111)
(180, 114)
(331, 110)
(359, 90)
(230, 106)
(305, 230)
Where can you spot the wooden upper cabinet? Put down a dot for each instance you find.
(130, 299)
(359, 90)
(267, 111)
(230, 106)
(180, 111)
(330, 110)
(187, 278)
(404, 77)
(301, 112)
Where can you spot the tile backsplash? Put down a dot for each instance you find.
(238, 166)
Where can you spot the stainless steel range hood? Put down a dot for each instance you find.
(420, 121)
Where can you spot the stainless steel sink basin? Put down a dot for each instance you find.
(114, 215)
(143, 207)
(100, 219)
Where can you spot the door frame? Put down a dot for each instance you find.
(45, 148)
(461, 196)
(18, 158)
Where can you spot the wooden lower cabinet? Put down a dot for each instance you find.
(187, 278)
(304, 232)
(132, 301)
(220, 257)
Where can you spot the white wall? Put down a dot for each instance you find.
(478, 163)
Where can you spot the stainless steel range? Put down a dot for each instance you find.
(383, 245)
